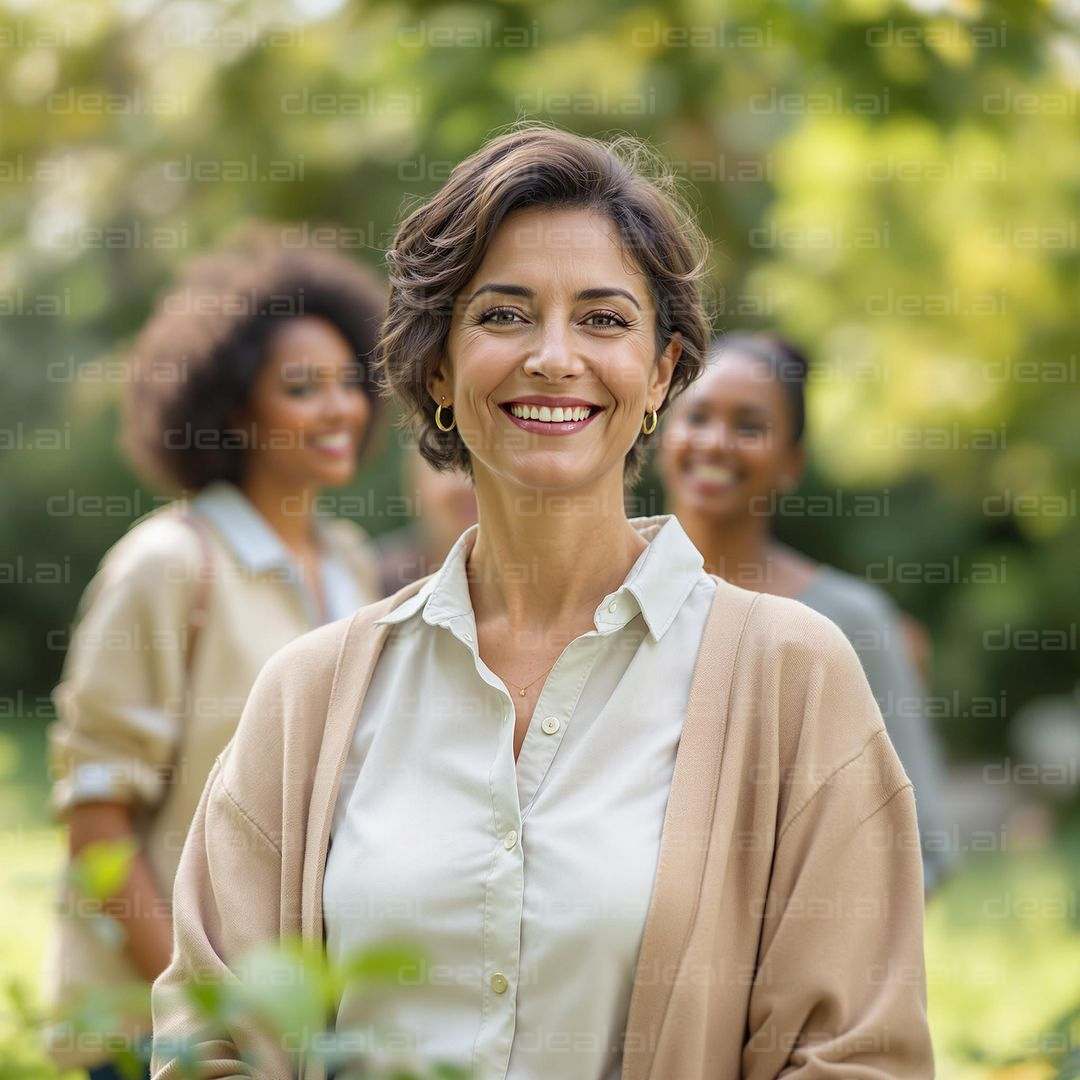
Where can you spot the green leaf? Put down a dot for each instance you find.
(102, 868)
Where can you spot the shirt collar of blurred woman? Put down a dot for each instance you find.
(258, 548)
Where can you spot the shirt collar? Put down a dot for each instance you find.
(656, 585)
(246, 532)
(257, 546)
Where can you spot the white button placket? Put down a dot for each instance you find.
(554, 707)
(504, 894)
(513, 787)
(504, 900)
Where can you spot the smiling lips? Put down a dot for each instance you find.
(710, 477)
(337, 444)
(551, 416)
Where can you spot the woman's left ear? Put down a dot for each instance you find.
(796, 466)
(437, 381)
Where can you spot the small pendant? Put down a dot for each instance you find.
(522, 693)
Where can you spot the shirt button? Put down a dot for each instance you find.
(550, 725)
(613, 606)
(467, 636)
(499, 983)
(509, 840)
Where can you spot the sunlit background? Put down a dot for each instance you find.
(893, 185)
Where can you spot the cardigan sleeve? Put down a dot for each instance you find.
(224, 850)
(118, 700)
(840, 987)
(238, 884)
(226, 900)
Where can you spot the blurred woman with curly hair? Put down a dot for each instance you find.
(249, 394)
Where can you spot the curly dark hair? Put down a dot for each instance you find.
(441, 244)
(196, 359)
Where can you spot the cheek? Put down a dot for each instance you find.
(759, 458)
(360, 408)
(286, 413)
(674, 444)
(628, 381)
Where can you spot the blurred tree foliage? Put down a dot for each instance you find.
(893, 185)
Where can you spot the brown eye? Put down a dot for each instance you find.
(499, 316)
(614, 319)
(753, 426)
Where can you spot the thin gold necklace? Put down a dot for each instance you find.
(528, 684)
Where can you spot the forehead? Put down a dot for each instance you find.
(305, 348)
(575, 246)
(736, 380)
(308, 336)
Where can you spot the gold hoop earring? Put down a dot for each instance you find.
(438, 418)
(650, 430)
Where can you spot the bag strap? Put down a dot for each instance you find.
(199, 614)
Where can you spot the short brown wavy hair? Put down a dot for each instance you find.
(195, 360)
(441, 244)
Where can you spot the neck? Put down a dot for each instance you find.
(287, 511)
(538, 559)
(437, 543)
(739, 550)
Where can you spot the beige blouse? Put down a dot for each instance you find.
(135, 725)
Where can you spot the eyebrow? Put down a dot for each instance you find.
(530, 294)
(740, 410)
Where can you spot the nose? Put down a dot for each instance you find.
(336, 401)
(554, 355)
(714, 436)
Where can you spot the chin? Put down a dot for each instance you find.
(551, 477)
(718, 505)
(333, 477)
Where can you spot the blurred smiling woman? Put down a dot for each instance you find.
(736, 444)
(599, 787)
(249, 395)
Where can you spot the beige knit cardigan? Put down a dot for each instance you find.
(785, 931)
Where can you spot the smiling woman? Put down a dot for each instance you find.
(604, 219)
(599, 787)
(733, 447)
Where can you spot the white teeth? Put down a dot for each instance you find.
(337, 441)
(560, 414)
(715, 474)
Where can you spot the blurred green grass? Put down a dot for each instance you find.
(1002, 939)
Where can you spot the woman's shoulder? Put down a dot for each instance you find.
(777, 622)
(308, 689)
(851, 601)
(353, 544)
(160, 548)
(314, 654)
(345, 532)
(798, 675)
